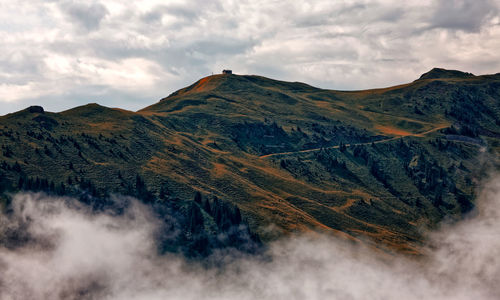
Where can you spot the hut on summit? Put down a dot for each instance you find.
(227, 72)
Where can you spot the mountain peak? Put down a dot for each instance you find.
(436, 73)
(212, 82)
(94, 110)
(231, 87)
(232, 82)
(35, 109)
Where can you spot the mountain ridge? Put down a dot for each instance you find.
(435, 73)
(377, 164)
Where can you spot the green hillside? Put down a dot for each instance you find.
(377, 165)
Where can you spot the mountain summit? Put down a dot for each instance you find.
(437, 73)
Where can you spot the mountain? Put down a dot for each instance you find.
(376, 165)
(443, 73)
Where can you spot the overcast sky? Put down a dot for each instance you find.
(129, 54)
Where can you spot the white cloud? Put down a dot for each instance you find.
(13, 92)
(350, 44)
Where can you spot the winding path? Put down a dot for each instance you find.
(358, 144)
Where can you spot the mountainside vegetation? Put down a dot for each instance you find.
(256, 158)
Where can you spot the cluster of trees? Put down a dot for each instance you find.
(41, 185)
(259, 136)
(447, 146)
(468, 106)
(382, 175)
(361, 152)
(16, 167)
(224, 214)
(467, 130)
(215, 224)
(431, 179)
(11, 134)
(139, 190)
(269, 137)
(330, 162)
(7, 151)
(194, 227)
(4, 183)
(434, 182)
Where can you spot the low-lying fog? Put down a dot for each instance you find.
(69, 253)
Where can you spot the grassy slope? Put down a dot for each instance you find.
(210, 137)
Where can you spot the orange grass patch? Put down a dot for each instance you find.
(392, 130)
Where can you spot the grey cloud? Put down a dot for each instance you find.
(87, 15)
(463, 15)
(221, 46)
(392, 15)
(155, 15)
(186, 13)
(357, 13)
(20, 66)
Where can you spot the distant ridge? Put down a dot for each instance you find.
(436, 73)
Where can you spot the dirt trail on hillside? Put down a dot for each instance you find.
(357, 144)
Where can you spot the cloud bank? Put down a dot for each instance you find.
(63, 53)
(63, 251)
